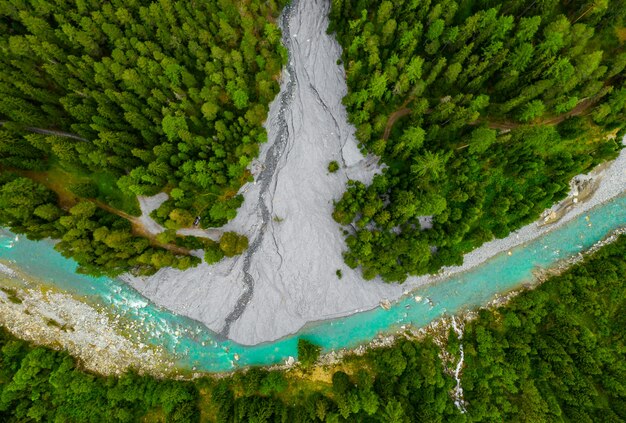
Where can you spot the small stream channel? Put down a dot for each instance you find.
(266, 176)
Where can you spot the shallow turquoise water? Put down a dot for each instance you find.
(194, 345)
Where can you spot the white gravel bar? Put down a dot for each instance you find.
(288, 276)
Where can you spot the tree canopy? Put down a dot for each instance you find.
(133, 98)
(481, 111)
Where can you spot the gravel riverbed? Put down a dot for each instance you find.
(288, 276)
(102, 342)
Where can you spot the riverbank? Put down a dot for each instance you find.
(109, 343)
(101, 341)
(603, 183)
(439, 329)
(564, 314)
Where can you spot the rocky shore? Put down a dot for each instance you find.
(439, 328)
(563, 265)
(109, 345)
(102, 343)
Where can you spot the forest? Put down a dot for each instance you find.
(481, 113)
(554, 353)
(104, 101)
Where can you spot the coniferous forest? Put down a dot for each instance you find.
(553, 354)
(482, 112)
(104, 101)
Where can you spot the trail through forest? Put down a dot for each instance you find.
(52, 132)
(68, 200)
(582, 107)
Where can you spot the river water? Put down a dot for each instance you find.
(195, 346)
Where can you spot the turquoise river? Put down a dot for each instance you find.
(194, 345)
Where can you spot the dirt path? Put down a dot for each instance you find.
(580, 108)
(392, 120)
(56, 133)
(67, 200)
(402, 111)
(51, 132)
(139, 228)
(505, 125)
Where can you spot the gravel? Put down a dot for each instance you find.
(148, 205)
(101, 342)
(288, 276)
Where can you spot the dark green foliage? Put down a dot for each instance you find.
(333, 166)
(139, 97)
(213, 253)
(28, 207)
(39, 384)
(84, 189)
(102, 243)
(232, 244)
(17, 151)
(190, 242)
(308, 353)
(555, 353)
(442, 91)
(406, 383)
(571, 128)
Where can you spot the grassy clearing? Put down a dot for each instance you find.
(60, 180)
(111, 194)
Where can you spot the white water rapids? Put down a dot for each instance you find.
(458, 389)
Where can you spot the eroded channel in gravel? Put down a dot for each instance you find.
(266, 176)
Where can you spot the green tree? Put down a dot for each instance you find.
(429, 164)
(481, 139)
(213, 253)
(308, 353)
(233, 244)
(532, 110)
